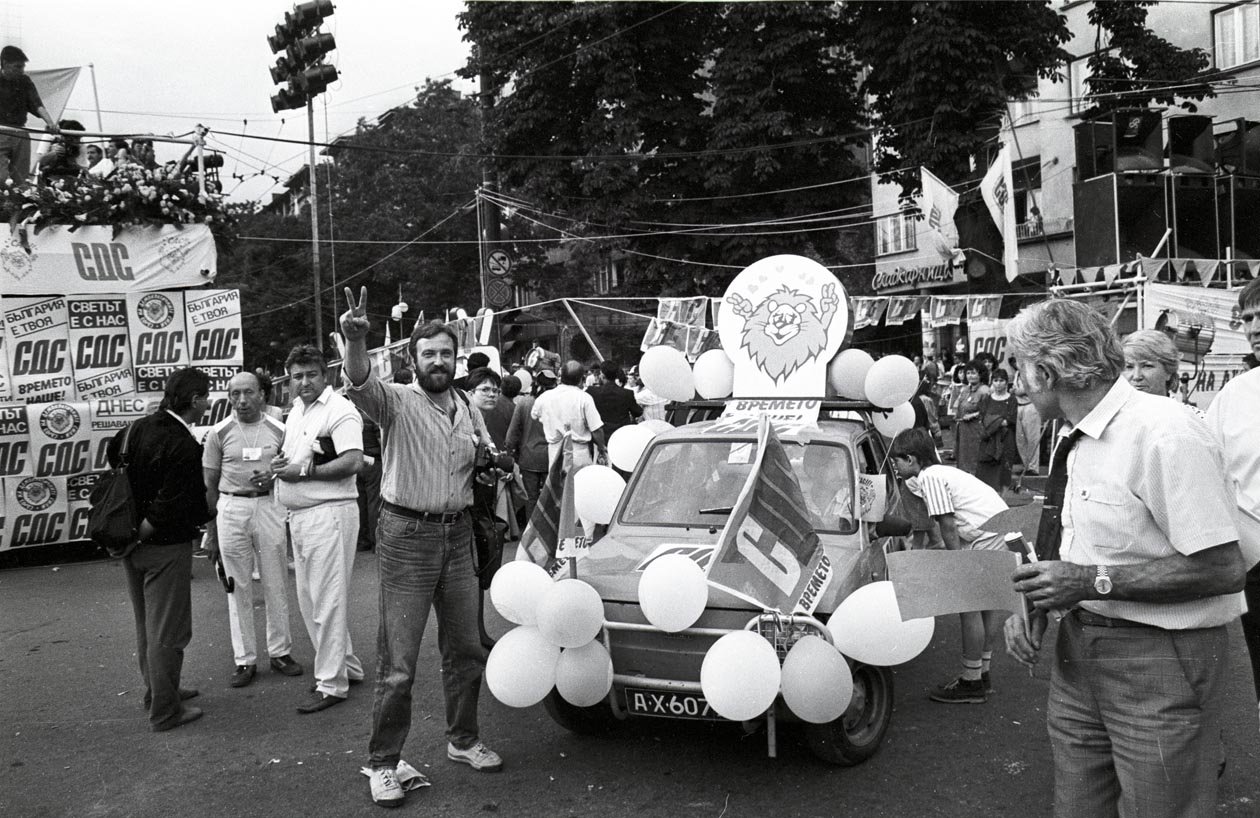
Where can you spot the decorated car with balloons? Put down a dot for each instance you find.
(742, 576)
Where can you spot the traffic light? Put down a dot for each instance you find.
(300, 67)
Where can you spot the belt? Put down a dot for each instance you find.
(443, 517)
(250, 494)
(1099, 621)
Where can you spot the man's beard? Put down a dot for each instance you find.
(429, 380)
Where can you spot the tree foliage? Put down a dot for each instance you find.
(658, 125)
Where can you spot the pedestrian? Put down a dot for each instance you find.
(960, 504)
(999, 416)
(568, 410)
(249, 526)
(432, 438)
(527, 442)
(1235, 424)
(616, 404)
(1143, 558)
(164, 469)
(1027, 433)
(485, 389)
(653, 405)
(367, 484)
(1151, 362)
(18, 97)
(315, 471)
(967, 429)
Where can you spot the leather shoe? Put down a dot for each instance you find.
(189, 714)
(243, 675)
(185, 693)
(320, 701)
(285, 664)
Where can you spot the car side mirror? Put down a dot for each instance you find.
(892, 527)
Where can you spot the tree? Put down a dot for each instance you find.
(662, 132)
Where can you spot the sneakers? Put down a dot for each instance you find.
(243, 675)
(386, 791)
(960, 691)
(480, 757)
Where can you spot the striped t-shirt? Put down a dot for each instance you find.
(947, 490)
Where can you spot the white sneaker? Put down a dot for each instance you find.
(385, 789)
(480, 757)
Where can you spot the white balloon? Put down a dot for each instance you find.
(740, 675)
(516, 590)
(526, 379)
(868, 627)
(584, 675)
(570, 614)
(847, 373)
(658, 426)
(627, 444)
(891, 380)
(714, 374)
(891, 423)
(673, 592)
(817, 682)
(596, 492)
(665, 371)
(521, 669)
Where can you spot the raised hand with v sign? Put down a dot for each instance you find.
(354, 321)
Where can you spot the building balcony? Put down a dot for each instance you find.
(1037, 228)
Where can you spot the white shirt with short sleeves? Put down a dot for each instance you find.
(1234, 421)
(331, 415)
(566, 409)
(947, 490)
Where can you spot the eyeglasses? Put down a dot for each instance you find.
(487, 390)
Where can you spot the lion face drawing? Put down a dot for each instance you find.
(786, 330)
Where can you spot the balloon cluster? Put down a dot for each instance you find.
(888, 383)
(665, 371)
(554, 645)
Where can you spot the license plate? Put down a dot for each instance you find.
(667, 704)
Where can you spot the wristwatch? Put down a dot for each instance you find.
(1102, 581)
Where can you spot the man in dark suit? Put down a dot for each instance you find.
(616, 404)
(164, 467)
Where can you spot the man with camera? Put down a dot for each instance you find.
(431, 441)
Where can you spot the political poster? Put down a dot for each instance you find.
(15, 440)
(214, 329)
(6, 386)
(107, 416)
(99, 345)
(78, 493)
(35, 511)
(38, 349)
(61, 435)
(159, 343)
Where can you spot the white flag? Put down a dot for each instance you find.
(939, 204)
(998, 191)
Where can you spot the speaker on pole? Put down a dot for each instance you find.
(1191, 148)
(1118, 142)
(1118, 216)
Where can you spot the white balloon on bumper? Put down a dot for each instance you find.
(867, 627)
(521, 669)
(596, 491)
(570, 614)
(627, 444)
(516, 590)
(817, 682)
(673, 592)
(666, 372)
(740, 675)
(584, 675)
(847, 373)
(892, 380)
(892, 423)
(714, 374)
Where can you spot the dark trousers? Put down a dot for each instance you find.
(159, 581)
(368, 481)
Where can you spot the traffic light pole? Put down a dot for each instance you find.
(315, 278)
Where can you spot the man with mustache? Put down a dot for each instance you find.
(431, 439)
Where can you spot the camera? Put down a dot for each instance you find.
(490, 460)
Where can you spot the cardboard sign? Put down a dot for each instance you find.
(159, 343)
(107, 416)
(782, 321)
(214, 329)
(15, 440)
(932, 582)
(38, 349)
(78, 490)
(35, 511)
(61, 438)
(98, 345)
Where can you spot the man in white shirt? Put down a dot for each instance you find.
(1234, 420)
(317, 486)
(568, 409)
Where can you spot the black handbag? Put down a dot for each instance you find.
(112, 522)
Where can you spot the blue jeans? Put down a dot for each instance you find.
(424, 564)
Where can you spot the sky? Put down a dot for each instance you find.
(164, 66)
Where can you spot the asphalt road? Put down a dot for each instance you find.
(74, 740)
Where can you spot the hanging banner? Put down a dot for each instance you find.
(214, 327)
(158, 340)
(92, 260)
(15, 440)
(946, 310)
(60, 438)
(35, 511)
(1223, 359)
(998, 191)
(98, 345)
(78, 491)
(989, 336)
(39, 360)
(983, 307)
(54, 86)
(901, 308)
(868, 312)
(107, 416)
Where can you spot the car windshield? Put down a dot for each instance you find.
(696, 483)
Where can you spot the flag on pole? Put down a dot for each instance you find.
(553, 518)
(998, 191)
(939, 204)
(769, 553)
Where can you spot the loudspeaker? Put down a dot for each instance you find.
(1192, 216)
(1118, 216)
(1238, 148)
(1191, 148)
(1238, 215)
(1118, 142)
